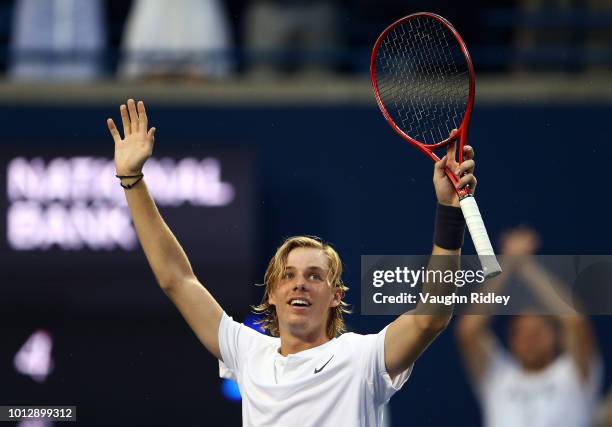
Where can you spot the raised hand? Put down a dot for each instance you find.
(445, 188)
(520, 241)
(136, 147)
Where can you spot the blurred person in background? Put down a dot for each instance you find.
(599, 37)
(552, 372)
(281, 35)
(569, 35)
(180, 38)
(544, 34)
(57, 40)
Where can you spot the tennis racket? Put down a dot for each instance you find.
(423, 81)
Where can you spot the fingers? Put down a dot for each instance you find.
(113, 130)
(465, 167)
(468, 164)
(450, 148)
(440, 166)
(151, 134)
(468, 152)
(134, 117)
(131, 105)
(469, 181)
(142, 116)
(125, 119)
(450, 151)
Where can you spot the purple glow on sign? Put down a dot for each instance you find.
(76, 203)
(34, 357)
(35, 423)
(32, 226)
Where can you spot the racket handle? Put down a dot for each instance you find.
(477, 229)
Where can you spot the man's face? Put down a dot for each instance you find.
(303, 295)
(532, 341)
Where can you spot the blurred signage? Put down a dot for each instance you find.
(67, 232)
(75, 202)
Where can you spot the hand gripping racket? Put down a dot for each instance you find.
(423, 81)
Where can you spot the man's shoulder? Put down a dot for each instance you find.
(252, 334)
(353, 338)
(261, 337)
(350, 336)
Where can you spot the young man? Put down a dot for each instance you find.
(304, 373)
(551, 375)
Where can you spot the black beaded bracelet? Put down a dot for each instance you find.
(449, 227)
(128, 186)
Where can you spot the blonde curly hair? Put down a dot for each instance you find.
(275, 270)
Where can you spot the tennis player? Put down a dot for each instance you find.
(306, 372)
(552, 373)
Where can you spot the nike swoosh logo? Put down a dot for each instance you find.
(316, 371)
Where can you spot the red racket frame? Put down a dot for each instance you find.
(465, 123)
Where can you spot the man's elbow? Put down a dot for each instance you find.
(464, 329)
(574, 321)
(432, 325)
(166, 283)
(171, 283)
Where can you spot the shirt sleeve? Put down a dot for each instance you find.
(592, 385)
(378, 379)
(235, 342)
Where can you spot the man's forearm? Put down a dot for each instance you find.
(164, 253)
(437, 315)
(552, 294)
(449, 229)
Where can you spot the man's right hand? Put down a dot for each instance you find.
(136, 147)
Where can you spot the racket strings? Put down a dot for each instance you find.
(423, 79)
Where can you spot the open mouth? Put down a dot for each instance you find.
(299, 302)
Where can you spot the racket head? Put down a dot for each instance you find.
(428, 38)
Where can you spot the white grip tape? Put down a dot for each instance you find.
(480, 237)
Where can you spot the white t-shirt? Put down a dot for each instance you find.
(343, 382)
(557, 396)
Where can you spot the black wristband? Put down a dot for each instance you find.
(449, 227)
(128, 186)
(130, 176)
